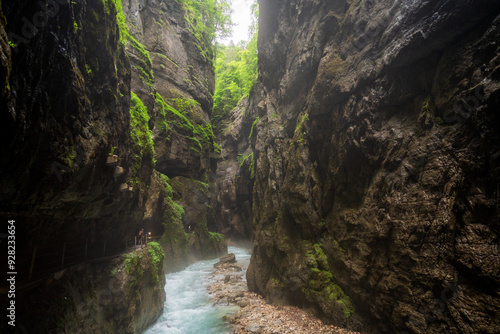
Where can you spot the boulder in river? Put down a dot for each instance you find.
(229, 258)
(226, 259)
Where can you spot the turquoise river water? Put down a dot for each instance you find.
(188, 307)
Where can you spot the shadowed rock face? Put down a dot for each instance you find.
(377, 163)
(68, 107)
(65, 90)
(65, 109)
(232, 202)
(117, 296)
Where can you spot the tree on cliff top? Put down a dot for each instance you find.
(208, 20)
(235, 72)
(235, 75)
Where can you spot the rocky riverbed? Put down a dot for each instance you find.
(229, 287)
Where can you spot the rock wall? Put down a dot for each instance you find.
(66, 111)
(234, 175)
(175, 80)
(103, 105)
(377, 164)
(122, 295)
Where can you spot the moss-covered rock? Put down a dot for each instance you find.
(321, 287)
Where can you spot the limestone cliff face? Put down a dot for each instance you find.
(66, 111)
(377, 163)
(175, 80)
(235, 175)
(96, 123)
(180, 74)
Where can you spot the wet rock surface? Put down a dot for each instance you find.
(78, 153)
(255, 314)
(376, 184)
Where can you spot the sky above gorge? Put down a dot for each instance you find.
(241, 18)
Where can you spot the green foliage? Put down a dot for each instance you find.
(252, 167)
(133, 268)
(144, 54)
(12, 44)
(253, 126)
(88, 69)
(185, 106)
(162, 120)
(68, 156)
(166, 183)
(195, 144)
(121, 20)
(217, 148)
(426, 106)
(206, 137)
(208, 20)
(167, 59)
(217, 237)
(242, 158)
(178, 210)
(174, 237)
(277, 283)
(146, 76)
(181, 122)
(174, 117)
(300, 123)
(235, 75)
(157, 255)
(143, 146)
(300, 130)
(75, 27)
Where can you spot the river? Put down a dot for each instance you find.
(188, 307)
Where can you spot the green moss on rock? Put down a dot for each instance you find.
(252, 128)
(321, 287)
(157, 256)
(216, 237)
(143, 146)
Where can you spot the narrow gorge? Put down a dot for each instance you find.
(360, 154)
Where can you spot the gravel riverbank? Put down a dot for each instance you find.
(256, 315)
